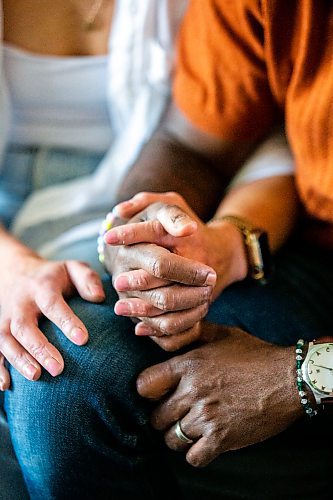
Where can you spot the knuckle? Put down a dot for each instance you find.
(18, 327)
(47, 302)
(129, 233)
(167, 344)
(175, 197)
(165, 326)
(142, 280)
(65, 323)
(18, 359)
(37, 349)
(160, 267)
(157, 228)
(163, 300)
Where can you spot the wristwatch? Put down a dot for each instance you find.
(256, 247)
(317, 372)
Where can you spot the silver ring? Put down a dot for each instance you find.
(180, 434)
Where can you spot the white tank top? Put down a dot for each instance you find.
(58, 101)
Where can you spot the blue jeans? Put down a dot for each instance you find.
(23, 170)
(86, 434)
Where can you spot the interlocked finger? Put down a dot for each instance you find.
(137, 280)
(175, 322)
(175, 342)
(160, 300)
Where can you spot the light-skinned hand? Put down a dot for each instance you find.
(34, 288)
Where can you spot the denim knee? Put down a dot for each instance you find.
(90, 412)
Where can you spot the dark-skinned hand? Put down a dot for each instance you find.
(231, 392)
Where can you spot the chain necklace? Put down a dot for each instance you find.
(89, 18)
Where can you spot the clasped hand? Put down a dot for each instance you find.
(167, 266)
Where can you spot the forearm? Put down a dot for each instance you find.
(166, 165)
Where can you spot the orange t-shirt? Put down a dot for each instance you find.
(244, 64)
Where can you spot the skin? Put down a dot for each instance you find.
(237, 408)
(223, 394)
(30, 285)
(177, 152)
(164, 226)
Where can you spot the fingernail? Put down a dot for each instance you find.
(112, 238)
(96, 290)
(143, 331)
(211, 279)
(78, 336)
(30, 370)
(122, 308)
(52, 366)
(121, 284)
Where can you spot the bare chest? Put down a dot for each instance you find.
(61, 27)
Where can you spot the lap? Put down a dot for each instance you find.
(296, 303)
(90, 423)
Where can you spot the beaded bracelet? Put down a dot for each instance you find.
(311, 412)
(105, 226)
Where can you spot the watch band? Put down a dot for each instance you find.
(256, 246)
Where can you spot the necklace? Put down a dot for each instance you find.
(89, 18)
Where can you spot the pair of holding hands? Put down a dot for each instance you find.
(167, 266)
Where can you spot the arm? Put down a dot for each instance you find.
(227, 111)
(182, 158)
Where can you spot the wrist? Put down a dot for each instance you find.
(255, 241)
(227, 255)
(18, 263)
(292, 389)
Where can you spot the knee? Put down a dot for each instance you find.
(96, 389)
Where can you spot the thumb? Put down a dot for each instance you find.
(156, 381)
(86, 281)
(175, 220)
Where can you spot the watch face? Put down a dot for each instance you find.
(320, 368)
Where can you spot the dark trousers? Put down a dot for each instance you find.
(86, 434)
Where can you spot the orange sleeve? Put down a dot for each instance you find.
(221, 82)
